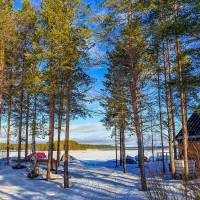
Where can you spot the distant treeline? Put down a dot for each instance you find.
(146, 148)
(73, 145)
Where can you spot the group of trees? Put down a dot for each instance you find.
(152, 78)
(43, 55)
(153, 75)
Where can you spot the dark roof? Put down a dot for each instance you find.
(193, 125)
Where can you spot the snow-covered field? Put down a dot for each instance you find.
(95, 154)
(93, 177)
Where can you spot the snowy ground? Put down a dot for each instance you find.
(94, 154)
(93, 177)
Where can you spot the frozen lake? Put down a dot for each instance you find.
(95, 154)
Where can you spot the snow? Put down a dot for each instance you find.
(94, 154)
(93, 176)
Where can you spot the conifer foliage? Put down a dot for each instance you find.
(153, 54)
(43, 57)
(152, 80)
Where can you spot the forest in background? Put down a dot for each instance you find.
(73, 145)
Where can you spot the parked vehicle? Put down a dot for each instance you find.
(130, 160)
(134, 160)
(38, 156)
(145, 159)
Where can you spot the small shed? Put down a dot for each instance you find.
(193, 125)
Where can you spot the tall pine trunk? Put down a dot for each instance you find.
(124, 153)
(182, 94)
(138, 129)
(34, 125)
(171, 100)
(152, 141)
(66, 161)
(27, 125)
(0, 119)
(60, 114)
(116, 151)
(9, 109)
(21, 99)
(171, 148)
(122, 130)
(123, 150)
(51, 128)
(120, 148)
(183, 109)
(1, 78)
(9, 123)
(161, 122)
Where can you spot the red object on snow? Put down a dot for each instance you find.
(38, 155)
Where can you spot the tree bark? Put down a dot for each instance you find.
(116, 159)
(183, 110)
(182, 95)
(161, 122)
(0, 119)
(34, 126)
(171, 148)
(8, 125)
(152, 141)
(27, 125)
(123, 150)
(137, 123)
(68, 109)
(171, 100)
(51, 132)
(122, 131)
(20, 123)
(1, 78)
(124, 153)
(120, 148)
(60, 113)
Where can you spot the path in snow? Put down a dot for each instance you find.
(89, 181)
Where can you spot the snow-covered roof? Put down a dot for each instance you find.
(193, 125)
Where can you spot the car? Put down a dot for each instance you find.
(145, 159)
(130, 160)
(38, 156)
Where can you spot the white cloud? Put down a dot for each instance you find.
(87, 128)
(94, 140)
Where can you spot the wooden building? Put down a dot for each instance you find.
(193, 124)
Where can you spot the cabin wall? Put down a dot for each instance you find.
(193, 153)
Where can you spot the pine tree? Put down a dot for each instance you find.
(134, 48)
(64, 46)
(7, 32)
(173, 22)
(115, 102)
(26, 20)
